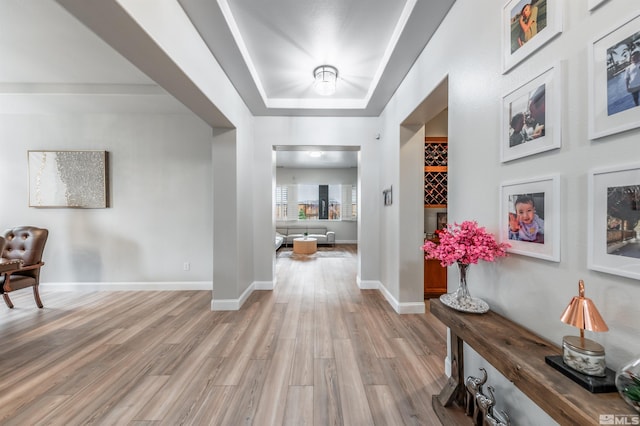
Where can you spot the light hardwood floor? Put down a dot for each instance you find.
(315, 351)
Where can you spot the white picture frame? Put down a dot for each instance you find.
(613, 203)
(543, 194)
(548, 26)
(611, 107)
(536, 106)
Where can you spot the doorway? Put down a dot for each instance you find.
(427, 127)
(316, 192)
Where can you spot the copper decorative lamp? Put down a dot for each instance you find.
(581, 354)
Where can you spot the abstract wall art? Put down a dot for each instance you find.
(74, 179)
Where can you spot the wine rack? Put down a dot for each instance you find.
(435, 172)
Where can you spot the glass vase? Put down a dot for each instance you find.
(461, 300)
(628, 383)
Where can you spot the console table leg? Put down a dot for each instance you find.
(454, 391)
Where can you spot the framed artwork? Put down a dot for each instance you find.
(530, 217)
(526, 26)
(614, 221)
(614, 80)
(388, 196)
(594, 3)
(75, 179)
(531, 116)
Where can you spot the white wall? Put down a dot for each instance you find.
(531, 292)
(160, 185)
(159, 40)
(199, 82)
(410, 235)
(346, 230)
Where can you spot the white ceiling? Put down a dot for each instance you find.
(317, 157)
(268, 49)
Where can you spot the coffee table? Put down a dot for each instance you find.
(305, 245)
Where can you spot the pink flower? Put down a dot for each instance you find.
(464, 243)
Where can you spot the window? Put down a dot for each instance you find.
(308, 200)
(281, 202)
(315, 202)
(335, 202)
(354, 203)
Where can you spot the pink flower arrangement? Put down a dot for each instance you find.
(464, 243)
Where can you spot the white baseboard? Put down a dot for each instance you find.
(263, 285)
(367, 284)
(447, 366)
(232, 304)
(127, 286)
(402, 308)
(412, 308)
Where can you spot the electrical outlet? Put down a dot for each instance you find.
(186, 266)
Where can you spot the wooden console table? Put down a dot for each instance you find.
(519, 355)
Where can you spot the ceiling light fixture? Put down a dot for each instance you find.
(315, 154)
(325, 80)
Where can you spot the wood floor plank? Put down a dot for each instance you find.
(353, 398)
(157, 407)
(266, 343)
(323, 342)
(299, 409)
(368, 362)
(35, 415)
(302, 367)
(214, 405)
(290, 325)
(327, 409)
(126, 409)
(315, 350)
(273, 401)
(182, 407)
(384, 409)
(242, 409)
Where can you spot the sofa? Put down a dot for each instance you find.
(320, 233)
(279, 241)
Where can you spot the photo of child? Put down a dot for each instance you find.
(526, 221)
(528, 18)
(527, 117)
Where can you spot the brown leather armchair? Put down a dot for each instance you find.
(26, 244)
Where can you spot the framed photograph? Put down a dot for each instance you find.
(614, 80)
(75, 179)
(388, 196)
(614, 221)
(530, 217)
(594, 3)
(531, 116)
(526, 26)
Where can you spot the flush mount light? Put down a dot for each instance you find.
(325, 79)
(315, 154)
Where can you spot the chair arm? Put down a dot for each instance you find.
(30, 267)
